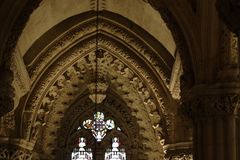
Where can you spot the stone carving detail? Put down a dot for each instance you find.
(7, 123)
(234, 48)
(14, 154)
(230, 59)
(182, 157)
(85, 29)
(209, 105)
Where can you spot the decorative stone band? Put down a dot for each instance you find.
(212, 105)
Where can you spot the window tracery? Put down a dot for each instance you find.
(99, 127)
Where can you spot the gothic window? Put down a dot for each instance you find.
(98, 127)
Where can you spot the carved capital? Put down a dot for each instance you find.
(212, 105)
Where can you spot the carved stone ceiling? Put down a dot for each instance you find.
(50, 13)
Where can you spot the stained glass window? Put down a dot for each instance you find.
(99, 126)
(115, 153)
(81, 153)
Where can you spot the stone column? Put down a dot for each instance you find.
(214, 111)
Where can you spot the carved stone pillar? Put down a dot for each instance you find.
(215, 114)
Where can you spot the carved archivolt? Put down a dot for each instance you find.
(123, 81)
(67, 59)
(79, 33)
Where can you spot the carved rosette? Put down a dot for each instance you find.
(212, 105)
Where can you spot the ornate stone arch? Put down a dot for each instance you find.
(77, 52)
(67, 86)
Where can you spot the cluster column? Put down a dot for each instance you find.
(215, 115)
